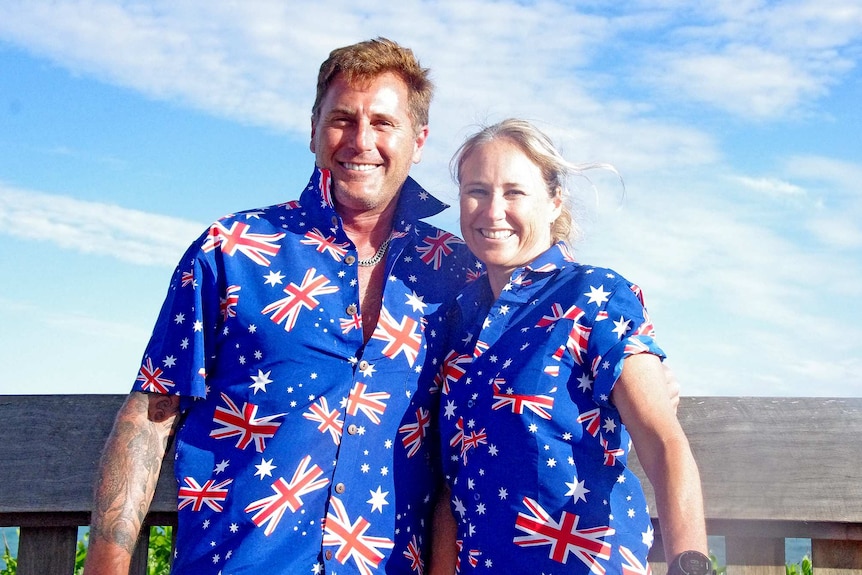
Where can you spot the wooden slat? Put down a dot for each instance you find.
(836, 557)
(776, 458)
(71, 430)
(47, 550)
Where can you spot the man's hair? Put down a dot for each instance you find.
(365, 61)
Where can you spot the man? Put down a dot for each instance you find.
(286, 358)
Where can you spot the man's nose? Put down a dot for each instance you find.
(364, 136)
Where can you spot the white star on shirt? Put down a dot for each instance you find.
(260, 381)
(621, 326)
(597, 295)
(415, 301)
(273, 278)
(609, 425)
(577, 490)
(265, 468)
(179, 318)
(169, 361)
(449, 411)
(378, 499)
(221, 466)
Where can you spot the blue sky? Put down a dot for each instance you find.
(127, 127)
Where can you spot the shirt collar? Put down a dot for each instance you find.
(414, 203)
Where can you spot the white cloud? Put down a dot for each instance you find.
(94, 227)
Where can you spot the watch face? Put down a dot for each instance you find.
(694, 563)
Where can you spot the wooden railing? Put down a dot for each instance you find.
(772, 468)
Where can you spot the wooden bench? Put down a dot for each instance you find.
(772, 468)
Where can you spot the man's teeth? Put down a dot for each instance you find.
(497, 234)
(360, 167)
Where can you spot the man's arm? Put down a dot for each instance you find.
(127, 477)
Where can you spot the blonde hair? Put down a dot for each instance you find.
(365, 61)
(539, 148)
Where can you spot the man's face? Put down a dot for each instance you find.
(365, 137)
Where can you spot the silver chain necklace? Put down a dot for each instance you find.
(375, 259)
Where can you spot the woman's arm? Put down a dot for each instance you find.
(641, 396)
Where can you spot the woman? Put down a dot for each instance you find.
(551, 371)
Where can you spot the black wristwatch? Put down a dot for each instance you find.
(690, 563)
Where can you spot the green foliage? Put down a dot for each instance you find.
(719, 569)
(11, 564)
(158, 556)
(804, 568)
(161, 550)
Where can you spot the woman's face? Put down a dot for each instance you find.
(506, 209)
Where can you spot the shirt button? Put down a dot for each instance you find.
(350, 259)
(363, 365)
(328, 554)
(470, 403)
(334, 221)
(352, 429)
(351, 309)
(340, 488)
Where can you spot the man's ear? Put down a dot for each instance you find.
(419, 143)
(311, 145)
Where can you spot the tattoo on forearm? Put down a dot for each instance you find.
(130, 468)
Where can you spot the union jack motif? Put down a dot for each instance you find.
(351, 539)
(400, 337)
(468, 441)
(238, 239)
(591, 419)
(563, 536)
(557, 313)
(371, 404)
(632, 565)
(326, 187)
(151, 378)
(635, 346)
(472, 556)
(538, 404)
(639, 293)
(576, 343)
(329, 420)
(325, 244)
(350, 323)
(290, 205)
(288, 495)
(566, 251)
(415, 556)
(611, 454)
(210, 494)
(647, 327)
(594, 367)
(187, 279)
(299, 297)
(454, 367)
(436, 247)
(474, 274)
(414, 433)
(244, 424)
(228, 303)
(480, 348)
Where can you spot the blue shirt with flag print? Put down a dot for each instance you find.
(533, 449)
(302, 449)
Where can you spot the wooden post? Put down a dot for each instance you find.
(47, 550)
(754, 556)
